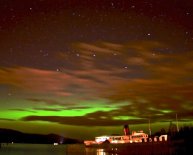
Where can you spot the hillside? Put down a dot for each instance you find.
(9, 135)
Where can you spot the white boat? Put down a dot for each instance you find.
(134, 137)
(118, 139)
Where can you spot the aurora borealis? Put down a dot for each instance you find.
(85, 68)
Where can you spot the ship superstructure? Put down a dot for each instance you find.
(134, 137)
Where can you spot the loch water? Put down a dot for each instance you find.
(47, 149)
(79, 149)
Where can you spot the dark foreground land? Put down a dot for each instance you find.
(179, 147)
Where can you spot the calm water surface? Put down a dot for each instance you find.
(80, 149)
(48, 149)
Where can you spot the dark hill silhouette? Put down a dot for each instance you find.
(9, 135)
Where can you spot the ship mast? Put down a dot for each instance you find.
(149, 128)
(177, 122)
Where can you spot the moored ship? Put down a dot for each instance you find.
(134, 137)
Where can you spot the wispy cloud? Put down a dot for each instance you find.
(7, 119)
(137, 72)
(106, 119)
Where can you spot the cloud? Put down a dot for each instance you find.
(140, 73)
(48, 102)
(46, 82)
(20, 109)
(101, 118)
(151, 74)
(7, 119)
(94, 119)
(47, 109)
(34, 79)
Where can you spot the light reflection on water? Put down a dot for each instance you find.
(100, 152)
(49, 149)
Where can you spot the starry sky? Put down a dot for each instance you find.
(85, 68)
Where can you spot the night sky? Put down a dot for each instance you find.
(85, 68)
